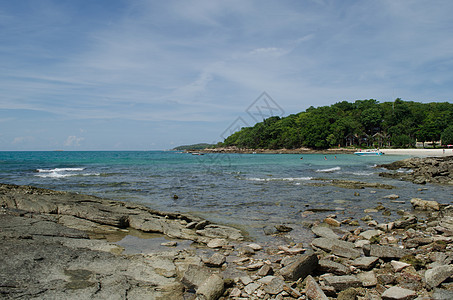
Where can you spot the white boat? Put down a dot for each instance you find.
(369, 152)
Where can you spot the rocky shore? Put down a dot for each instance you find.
(55, 245)
(422, 170)
(235, 150)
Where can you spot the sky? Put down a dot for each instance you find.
(151, 75)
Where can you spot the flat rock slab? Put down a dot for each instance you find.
(312, 289)
(324, 232)
(328, 266)
(386, 251)
(340, 283)
(398, 293)
(327, 244)
(365, 262)
(300, 268)
(437, 275)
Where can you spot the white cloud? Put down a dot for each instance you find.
(73, 141)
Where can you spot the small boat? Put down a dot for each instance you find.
(369, 152)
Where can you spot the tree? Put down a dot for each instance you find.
(447, 135)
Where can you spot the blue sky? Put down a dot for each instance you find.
(142, 75)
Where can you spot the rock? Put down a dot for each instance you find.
(270, 230)
(386, 226)
(365, 263)
(385, 279)
(437, 275)
(235, 292)
(251, 287)
(420, 204)
(212, 288)
(441, 294)
(405, 221)
(291, 251)
(195, 276)
(328, 244)
(347, 252)
(391, 197)
(312, 289)
(255, 266)
(341, 283)
(283, 228)
(348, 294)
(302, 267)
(216, 260)
(246, 250)
(397, 293)
(275, 286)
(368, 279)
(328, 266)
(324, 232)
(255, 247)
(265, 270)
(217, 243)
(399, 265)
(370, 233)
(220, 231)
(385, 252)
(332, 222)
(170, 244)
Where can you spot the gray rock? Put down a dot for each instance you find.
(420, 204)
(347, 252)
(312, 289)
(275, 286)
(437, 275)
(368, 279)
(300, 268)
(194, 276)
(265, 270)
(370, 234)
(385, 252)
(365, 262)
(327, 244)
(283, 228)
(341, 283)
(405, 221)
(328, 266)
(212, 288)
(441, 294)
(251, 287)
(216, 260)
(324, 232)
(398, 293)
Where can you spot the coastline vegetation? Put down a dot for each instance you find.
(363, 123)
(199, 146)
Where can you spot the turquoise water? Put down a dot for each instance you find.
(245, 190)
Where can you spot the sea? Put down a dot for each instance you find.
(249, 191)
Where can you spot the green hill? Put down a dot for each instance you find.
(363, 123)
(199, 146)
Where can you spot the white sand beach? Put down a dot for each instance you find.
(419, 152)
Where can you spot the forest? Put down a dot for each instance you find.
(363, 123)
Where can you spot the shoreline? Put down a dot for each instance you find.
(406, 152)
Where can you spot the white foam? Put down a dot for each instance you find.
(280, 179)
(59, 170)
(330, 170)
(63, 172)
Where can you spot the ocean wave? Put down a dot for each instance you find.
(330, 170)
(63, 172)
(362, 173)
(279, 179)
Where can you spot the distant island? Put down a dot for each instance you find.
(361, 124)
(194, 147)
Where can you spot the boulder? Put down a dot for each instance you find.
(212, 288)
(300, 268)
(216, 260)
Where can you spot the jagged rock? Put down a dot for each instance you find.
(217, 243)
(300, 268)
(397, 293)
(324, 232)
(420, 204)
(328, 266)
(265, 270)
(341, 283)
(312, 289)
(328, 244)
(365, 263)
(368, 279)
(399, 265)
(251, 287)
(385, 252)
(437, 275)
(405, 221)
(212, 288)
(347, 252)
(348, 294)
(385, 279)
(195, 275)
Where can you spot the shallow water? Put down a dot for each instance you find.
(248, 191)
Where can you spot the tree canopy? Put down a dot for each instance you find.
(365, 123)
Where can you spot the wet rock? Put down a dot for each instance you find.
(341, 283)
(324, 232)
(332, 222)
(420, 204)
(283, 228)
(220, 231)
(255, 266)
(391, 197)
(270, 230)
(217, 243)
(255, 247)
(216, 260)
(312, 289)
(437, 275)
(397, 293)
(291, 251)
(194, 276)
(300, 268)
